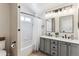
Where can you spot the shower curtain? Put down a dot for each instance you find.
(36, 33)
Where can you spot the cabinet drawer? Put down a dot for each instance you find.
(62, 43)
(54, 42)
(53, 47)
(53, 53)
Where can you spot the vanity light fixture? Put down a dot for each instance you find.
(59, 11)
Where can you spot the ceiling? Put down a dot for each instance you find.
(40, 8)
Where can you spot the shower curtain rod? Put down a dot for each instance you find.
(31, 15)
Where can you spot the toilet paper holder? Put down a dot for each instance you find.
(13, 44)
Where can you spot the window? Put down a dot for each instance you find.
(25, 19)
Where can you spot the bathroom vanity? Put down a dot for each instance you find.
(67, 43)
(58, 46)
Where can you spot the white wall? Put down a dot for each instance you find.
(5, 22)
(13, 27)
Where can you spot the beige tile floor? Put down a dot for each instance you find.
(38, 54)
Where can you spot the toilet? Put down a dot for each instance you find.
(2, 46)
(2, 53)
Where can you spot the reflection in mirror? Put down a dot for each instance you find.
(50, 25)
(66, 24)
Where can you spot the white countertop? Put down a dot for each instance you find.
(61, 39)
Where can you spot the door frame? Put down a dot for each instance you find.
(18, 30)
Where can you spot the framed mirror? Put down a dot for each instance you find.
(50, 25)
(66, 24)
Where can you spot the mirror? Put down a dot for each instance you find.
(50, 25)
(66, 24)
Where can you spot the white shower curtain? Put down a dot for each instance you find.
(36, 33)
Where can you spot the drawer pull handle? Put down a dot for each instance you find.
(53, 47)
(54, 42)
(53, 53)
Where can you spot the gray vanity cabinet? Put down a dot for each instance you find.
(58, 48)
(42, 40)
(73, 49)
(62, 49)
(47, 46)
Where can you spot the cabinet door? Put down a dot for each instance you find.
(42, 44)
(74, 50)
(47, 46)
(62, 49)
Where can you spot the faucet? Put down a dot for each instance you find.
(65, 36)
(49, 34)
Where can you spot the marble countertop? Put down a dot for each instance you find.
(61, 39)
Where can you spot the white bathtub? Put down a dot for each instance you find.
(26, 50)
